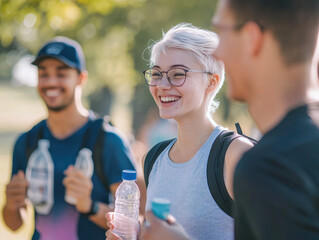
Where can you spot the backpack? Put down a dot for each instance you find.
(215, 166)
(96, 130)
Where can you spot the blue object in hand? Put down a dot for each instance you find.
(161, 207)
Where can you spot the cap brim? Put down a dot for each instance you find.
(60, 58)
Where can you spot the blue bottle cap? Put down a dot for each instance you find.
(161, 207)
(129, 175)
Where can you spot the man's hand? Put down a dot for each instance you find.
(16, 199)
(80, 187)
(16, 192)
(158, 229)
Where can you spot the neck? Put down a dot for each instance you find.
(279, 91)
(64, 123)
(193, 131)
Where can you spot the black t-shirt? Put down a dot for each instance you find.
(276, 183)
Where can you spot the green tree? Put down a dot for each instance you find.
(114, 34)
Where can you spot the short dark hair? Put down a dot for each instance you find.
(294, 23)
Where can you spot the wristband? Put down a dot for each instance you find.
(94, 209)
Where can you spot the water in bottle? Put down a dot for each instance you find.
(83, 163)
(127, 202)
(40, 176)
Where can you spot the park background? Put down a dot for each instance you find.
(114, 35)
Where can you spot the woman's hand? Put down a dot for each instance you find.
(109, 233)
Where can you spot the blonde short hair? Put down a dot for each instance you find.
(200, 42)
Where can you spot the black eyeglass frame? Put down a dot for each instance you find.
(168, 78)
(236, 27)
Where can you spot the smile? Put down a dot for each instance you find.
(169, 99)
(52, 93)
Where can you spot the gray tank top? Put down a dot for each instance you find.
(185, 185)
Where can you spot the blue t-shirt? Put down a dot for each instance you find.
(64, 222)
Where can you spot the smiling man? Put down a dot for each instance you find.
(270, 56)
(270, 49)
(69, 128)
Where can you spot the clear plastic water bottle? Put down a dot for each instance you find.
(83, 163)
(161, 207)
(40, 176)
(127, 202)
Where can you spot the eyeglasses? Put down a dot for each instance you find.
(235, 27)
(175, 76)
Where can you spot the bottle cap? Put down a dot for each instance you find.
(44, 143)
(85, 151)
(161, 207)
(129, 175)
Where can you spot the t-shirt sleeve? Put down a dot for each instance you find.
(117, 156)
(18, 157)
(273, 202)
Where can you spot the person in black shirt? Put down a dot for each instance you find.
(271, 51)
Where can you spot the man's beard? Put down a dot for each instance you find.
(61, 107)
(57, 109)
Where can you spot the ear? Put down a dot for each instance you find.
(83, 78)
(254, 37)
(213, 82)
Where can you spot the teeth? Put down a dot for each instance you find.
(169, 99)
(52, 93)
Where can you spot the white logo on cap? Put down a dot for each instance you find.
(55, 48)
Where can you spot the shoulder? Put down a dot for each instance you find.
(19, 154)
(30, 134)
(234, 153)
(37, 126)
(237, 148)
(113, 136)
(23, 143)
(158, 148)
(20, 140)
(150, 157)
(101, 127)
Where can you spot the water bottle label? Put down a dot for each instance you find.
(39, 174)
(38, 193)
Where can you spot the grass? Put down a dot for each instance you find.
(20, 108)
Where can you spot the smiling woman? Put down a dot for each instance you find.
(180, 84)
(183, 79)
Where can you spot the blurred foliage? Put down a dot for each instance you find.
(113, 33)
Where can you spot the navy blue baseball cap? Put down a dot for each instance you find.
(65, 50)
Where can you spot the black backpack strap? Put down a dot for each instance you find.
(151, 157)
(97, 131)
(215, 171)
(32, 138)
(215, 168)
(240, 132)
